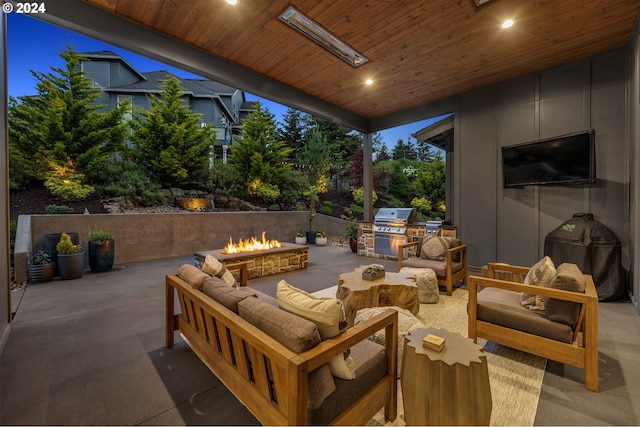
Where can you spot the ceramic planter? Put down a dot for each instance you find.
(51, 240)
(353, 244)
(71, 266)
(311, 237)
(101, 256)
(321, 241)
(41, 273)
(301, 240)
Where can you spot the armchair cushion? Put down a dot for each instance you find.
(568, 278)
(439, 267)
(217, 289)
(539, 275)
(502, 307)
(435, 247)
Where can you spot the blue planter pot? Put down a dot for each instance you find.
(71, 266)
(101, 256)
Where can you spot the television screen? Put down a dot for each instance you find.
(562, 160)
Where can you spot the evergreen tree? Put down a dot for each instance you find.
(383, 154)
(293, 130)
(431, 182)
(342, 141)
(314, 158)
(259, 154)
(168, 140)
(399, 186)
(404, 150)
(59, 136)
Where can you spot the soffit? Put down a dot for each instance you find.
(421, 51)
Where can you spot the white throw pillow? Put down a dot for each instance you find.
(213, 267)
(327, 314)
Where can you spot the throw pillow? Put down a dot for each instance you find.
(569, 278)
(213, 267)
(435, 247)
(192, 275)
(539, 275)
(327, 314)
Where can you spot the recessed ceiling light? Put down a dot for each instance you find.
(232, 1)
(508, 23)
(368, 82)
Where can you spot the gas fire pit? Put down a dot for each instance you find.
(261, 262)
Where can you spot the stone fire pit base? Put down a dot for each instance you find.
(266, 262)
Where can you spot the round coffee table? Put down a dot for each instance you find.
(394, 289)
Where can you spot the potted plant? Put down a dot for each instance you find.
(41, 269)
(321, 237)
(312, 193)
(70, 258)
(301, 237)
(101, 250)
(351, 233)
(373, 272)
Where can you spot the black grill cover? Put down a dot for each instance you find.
(594, 249)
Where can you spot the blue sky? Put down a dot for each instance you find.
(36, 45)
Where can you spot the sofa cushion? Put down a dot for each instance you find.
(502, 307)
(539, 275)
(568, 278)
(439, 267)
(192, 275)
(370, 362)
(294, 332)
(321, 385)
(326, 313)
(217, 289)
(213, 267)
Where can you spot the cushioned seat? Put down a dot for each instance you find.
(446, 256)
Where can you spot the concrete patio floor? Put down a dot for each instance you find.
(91, 351)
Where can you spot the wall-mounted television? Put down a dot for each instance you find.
(562, 160)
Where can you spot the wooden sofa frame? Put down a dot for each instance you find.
(241, 355)
(582, 352)
(450, 277)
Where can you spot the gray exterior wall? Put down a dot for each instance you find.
(633, 159)
(510, 225)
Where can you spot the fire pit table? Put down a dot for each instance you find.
(394, 289)
(264, 262)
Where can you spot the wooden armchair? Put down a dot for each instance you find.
(495, 314)
(450, 271)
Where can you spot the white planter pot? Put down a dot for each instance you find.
(301, 240)
(321, 241)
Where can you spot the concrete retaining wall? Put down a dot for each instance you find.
(144, 237)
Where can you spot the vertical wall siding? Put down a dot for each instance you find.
(510, 225)
(634, 160)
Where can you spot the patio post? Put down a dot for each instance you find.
(367, 176)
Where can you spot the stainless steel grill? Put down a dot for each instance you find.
(390, 229)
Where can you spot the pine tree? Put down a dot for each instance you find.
(168, 140)
(292, 131)
(315, 160)
(59, 135)
(259, 154)
(342, 142)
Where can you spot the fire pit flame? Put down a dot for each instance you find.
(249, 245)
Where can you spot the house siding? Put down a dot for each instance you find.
(510, 225)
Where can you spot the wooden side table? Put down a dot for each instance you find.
(446, 388)
(394, 289)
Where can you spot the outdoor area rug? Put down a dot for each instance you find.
(515, 377)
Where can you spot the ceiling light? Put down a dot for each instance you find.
(232, 1)
(307, 26)
(368, 82)
(508, 23)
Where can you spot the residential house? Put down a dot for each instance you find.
(221, 107)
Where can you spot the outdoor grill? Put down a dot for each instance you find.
(390, 229)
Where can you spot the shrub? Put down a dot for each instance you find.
(70, 188)
(225, 179)
(58, 210)
(265, 191)
(358, 196)
(65, 246)
(40, 257)
(126, 179)
(422, 204)
(99, 236)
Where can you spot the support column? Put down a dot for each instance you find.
(367, 176)
(5, 276)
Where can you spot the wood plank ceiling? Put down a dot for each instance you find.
(420, 51)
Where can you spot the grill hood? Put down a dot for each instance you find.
(403, 215)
